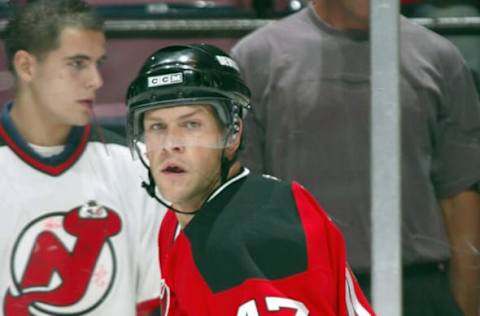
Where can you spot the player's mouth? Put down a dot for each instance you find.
(172, 169)
(87, 103)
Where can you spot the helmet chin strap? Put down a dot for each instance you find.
(225, 163)
(150, 188)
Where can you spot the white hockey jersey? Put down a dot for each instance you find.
(78, 234)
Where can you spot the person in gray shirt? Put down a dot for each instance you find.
(310, 80)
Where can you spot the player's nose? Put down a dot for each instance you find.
(95, 79)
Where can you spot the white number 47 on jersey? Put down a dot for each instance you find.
(274, 304)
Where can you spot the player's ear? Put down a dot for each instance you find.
(235, 139)
(24, 64)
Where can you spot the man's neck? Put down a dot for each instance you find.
(35, 125)
(184, 219)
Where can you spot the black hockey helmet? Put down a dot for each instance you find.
(187, 74)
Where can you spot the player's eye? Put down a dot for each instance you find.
(155, 127)
(192, 124)
(101, 62)
(77, 64)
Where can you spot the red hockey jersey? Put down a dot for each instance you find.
(259, 247)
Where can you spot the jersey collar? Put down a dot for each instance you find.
(54, 165)
(241, 175)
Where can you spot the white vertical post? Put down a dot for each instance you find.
(385, 158)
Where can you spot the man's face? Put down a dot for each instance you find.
(357, 10)
(344, 14)
(184, 146)
(64, 82)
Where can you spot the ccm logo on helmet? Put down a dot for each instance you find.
(165, 80)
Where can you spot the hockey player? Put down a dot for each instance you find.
(78, 237)
(232, 243)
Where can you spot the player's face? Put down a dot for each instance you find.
(184, 146)
(64, 82)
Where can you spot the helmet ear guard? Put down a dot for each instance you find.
(233, 133)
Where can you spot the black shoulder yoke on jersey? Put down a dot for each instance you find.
(252, 229)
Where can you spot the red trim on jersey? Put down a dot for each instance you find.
(146, 308)
(311, 213)
(52, 170)
(166, 237)
(190, 295)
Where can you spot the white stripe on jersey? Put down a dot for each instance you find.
(354, 307)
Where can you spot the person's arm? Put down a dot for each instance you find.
(330, 246)
(455, 170)
(462, 219)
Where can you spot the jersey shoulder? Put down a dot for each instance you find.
(252, 231)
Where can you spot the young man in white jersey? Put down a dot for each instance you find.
(79, 235)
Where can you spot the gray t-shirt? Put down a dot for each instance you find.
(311, 123)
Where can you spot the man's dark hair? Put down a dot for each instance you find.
(36, 27)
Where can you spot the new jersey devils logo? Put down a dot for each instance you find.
(63, 263)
